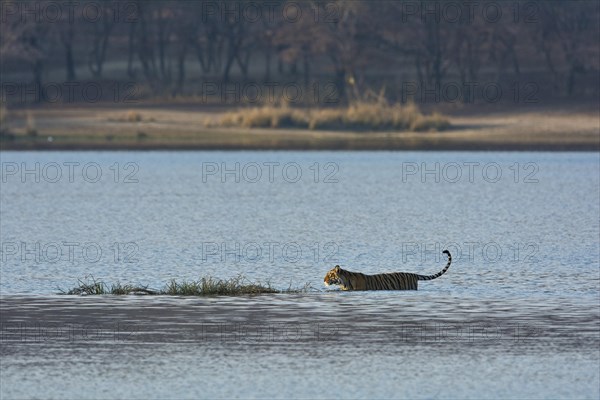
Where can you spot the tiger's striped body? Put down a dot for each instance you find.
(391, 281)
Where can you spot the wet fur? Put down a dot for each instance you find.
(391, 281)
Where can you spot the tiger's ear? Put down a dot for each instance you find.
(337, 268)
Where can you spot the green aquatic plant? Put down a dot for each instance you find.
(91, 286)
(208, 286)
(205, 286)
(87, 286)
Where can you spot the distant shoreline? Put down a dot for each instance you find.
(470, 146)
(169, 127)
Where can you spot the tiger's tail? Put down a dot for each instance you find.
(442, 272)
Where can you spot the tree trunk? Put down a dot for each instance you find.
(38, 69)
(180, 70)
(268, 63)
(576, 68)
(67, 40)
(70, 64)
(130, 70)
(228, 64)
(340, 83)
(306, 70)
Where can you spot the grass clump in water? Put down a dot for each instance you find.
(209, 286)
(206, 286)
(91, 286)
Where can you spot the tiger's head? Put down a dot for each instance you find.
(333, 276)
(346, 279)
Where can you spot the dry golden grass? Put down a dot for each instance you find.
(264, 117)
(30, 128)
(3, 113)
(327, 119)
(360, 116)
(133, 116)
(434, 122)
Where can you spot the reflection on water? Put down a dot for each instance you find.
(515, 316)
(369, 344)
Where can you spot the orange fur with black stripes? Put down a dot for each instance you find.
(391, 281)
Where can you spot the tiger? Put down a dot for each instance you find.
(390, 281)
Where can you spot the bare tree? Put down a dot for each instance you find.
(568, 35)
(66, 32)
(30, 40)
(100, 32)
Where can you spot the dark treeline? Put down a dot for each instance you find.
(359, 46)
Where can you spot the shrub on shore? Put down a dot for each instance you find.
(264, 117)
(360, 116)
(5, 133)
(3, 113)
(433, 122)
(133, 116)
(30, 128)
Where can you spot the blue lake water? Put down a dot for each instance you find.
(516, 315)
